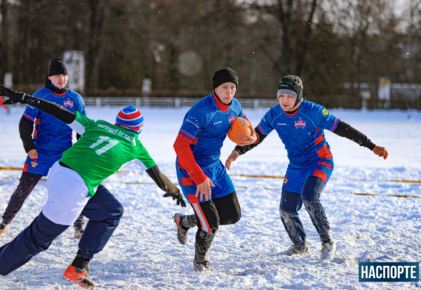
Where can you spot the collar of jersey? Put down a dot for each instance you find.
(59, 94)
(288, 114)
(221, 106)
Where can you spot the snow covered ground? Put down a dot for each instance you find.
(145, 254)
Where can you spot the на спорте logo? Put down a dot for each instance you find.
(389, 272)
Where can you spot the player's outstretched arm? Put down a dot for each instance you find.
(51, 108)
(239, 150)
(345, 130)
(166, 185)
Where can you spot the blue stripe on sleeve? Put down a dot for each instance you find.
(186, 135)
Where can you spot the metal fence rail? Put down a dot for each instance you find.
(168, 102)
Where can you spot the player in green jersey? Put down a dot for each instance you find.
(74, 186)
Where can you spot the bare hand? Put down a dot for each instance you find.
(381, 152)
(204, 189)
(33, 154)
(252, 138)
(233, 156)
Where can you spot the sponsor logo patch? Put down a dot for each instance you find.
(68, 103)
(300, 123)
(193, 121)
(325, 112)
(217, 123)
(34, 164)
(232, 118)
(285, 180)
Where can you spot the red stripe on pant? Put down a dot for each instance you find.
(320, 174)
(194, 201)
(328, 166)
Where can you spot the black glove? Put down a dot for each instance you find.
(176, 196)
(14, 96)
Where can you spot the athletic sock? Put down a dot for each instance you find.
(80, 264)
(202, 245)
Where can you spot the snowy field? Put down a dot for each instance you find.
(145, 254)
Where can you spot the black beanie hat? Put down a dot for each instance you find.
(293, 86)
(57, 67)
(224, 75)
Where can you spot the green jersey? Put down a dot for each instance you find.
(102, 150)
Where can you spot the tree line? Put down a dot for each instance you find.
(178, 44)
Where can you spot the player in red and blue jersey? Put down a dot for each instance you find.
(198, 148)
(300, 124)
(51, 138)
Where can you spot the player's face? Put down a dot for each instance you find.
(60, 81)
(226, 92)
(287, 102)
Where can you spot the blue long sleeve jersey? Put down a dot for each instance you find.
(301, 132)
(50, 133)
(207, 126)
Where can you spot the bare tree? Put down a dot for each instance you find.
(4, 44)
(97, 12)
(326, 42)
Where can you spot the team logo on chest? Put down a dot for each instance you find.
(231, 119)
(300, 123)
(68, 103)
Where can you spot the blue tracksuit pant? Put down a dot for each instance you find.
(104, 212)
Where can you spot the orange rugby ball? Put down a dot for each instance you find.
(240, 130)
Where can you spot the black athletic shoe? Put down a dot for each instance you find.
(201, 266)
(181, 230)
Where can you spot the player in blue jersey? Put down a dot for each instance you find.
(300, 124)
(201, 174)
(51, 138)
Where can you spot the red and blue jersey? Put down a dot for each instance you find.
(206, 125)
(301, 132)
(202, 134)
(50, 133)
